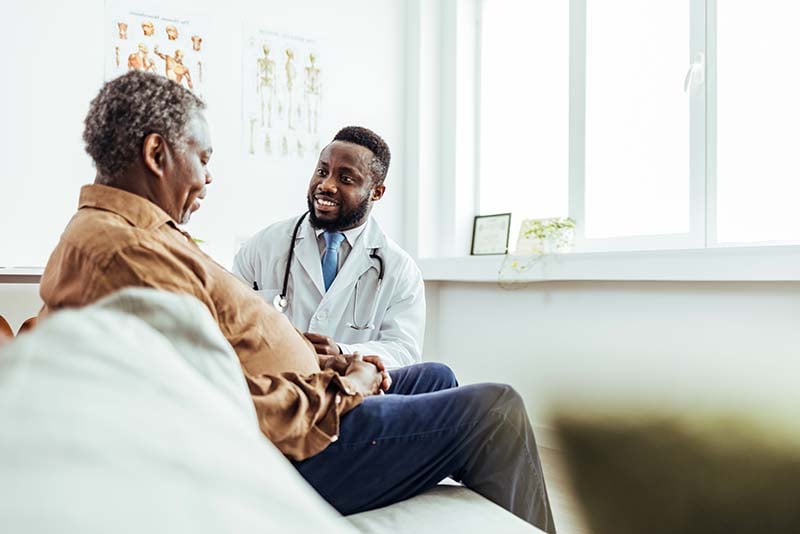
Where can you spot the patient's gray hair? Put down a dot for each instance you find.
(130, 108)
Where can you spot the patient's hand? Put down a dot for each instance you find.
(375, 360)
(338, 363)
(323, 344)
(341, 362)
(363, 376)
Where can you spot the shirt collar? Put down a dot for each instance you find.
(350, 235)
(135, 209)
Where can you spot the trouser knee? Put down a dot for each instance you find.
(443, 374)
(507, 403)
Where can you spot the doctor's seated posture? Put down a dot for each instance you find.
(332, 270)
(359, 449)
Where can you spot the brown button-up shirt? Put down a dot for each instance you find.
(118, 239)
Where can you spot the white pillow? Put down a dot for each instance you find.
(132, 415)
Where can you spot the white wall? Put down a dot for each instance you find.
(18, 302)
(54, 66)
(672, 344)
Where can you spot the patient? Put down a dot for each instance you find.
(359, 449)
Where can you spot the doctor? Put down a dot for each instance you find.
(333, 271)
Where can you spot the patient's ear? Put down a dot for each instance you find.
(154, 154)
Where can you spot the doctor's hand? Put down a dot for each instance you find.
(363, 376)
(323, 344)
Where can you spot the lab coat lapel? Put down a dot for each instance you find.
(307, 253)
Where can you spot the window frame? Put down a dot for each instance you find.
(697, 235)
(438, 204)
(702, 141)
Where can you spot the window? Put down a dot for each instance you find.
(637, 118)
(524, 136)
(758, 110)
(655, 124)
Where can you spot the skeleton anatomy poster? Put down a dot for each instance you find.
(282, 88)
(150, 40)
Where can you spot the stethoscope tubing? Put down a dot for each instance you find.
(281, 301)
(289, 258)
(366, 326)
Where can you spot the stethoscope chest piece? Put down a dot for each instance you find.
(280, 303)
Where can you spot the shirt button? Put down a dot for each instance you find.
(323, 315)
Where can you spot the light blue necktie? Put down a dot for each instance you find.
(330, 258)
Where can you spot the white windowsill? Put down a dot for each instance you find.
(21, 270)
(730, 264)
(20, 275)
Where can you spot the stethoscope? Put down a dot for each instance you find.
(281, 302)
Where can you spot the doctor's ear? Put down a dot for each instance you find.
(378, 191)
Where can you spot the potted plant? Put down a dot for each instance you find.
(546, 236)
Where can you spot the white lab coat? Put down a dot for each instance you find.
(399, 317)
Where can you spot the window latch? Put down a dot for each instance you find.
(696, 75)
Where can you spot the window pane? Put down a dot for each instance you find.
(637, 118)
(758, 110)
(524, 109)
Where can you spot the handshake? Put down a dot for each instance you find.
(365, 374)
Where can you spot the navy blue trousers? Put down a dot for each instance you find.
(425, 429)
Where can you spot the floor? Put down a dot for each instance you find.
(566, 511)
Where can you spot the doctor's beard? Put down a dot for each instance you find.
(346, 218)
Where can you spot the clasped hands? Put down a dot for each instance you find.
(367, 374)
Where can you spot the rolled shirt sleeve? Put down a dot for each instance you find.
(301, 414)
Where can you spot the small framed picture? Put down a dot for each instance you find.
(490, 234)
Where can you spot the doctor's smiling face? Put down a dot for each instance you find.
(347, 180)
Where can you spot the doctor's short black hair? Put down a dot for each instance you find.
(369, 139)
(129, 108)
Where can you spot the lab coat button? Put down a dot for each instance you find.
(321, 316)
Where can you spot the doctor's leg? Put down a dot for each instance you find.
(392, 447)
(422, 378)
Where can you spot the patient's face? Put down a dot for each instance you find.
(188, 175)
